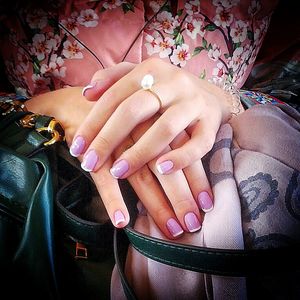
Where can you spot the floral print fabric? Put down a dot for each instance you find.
(45, 49)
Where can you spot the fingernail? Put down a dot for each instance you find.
(77, 146)
(119, 217)
(119, 168)
(191, 221)
(165, 167)
(174, 228)
(205, 202)
(88, 87)
(89, 161)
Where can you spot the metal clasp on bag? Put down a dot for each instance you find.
(54, 128)
(80, 251)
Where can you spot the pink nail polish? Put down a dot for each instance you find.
(191, 221)
(89, 161)
(205, 202)
(165, 167)
(88, 87)
(174, 228)
(77, 146)
(119, 168)
(119, 217)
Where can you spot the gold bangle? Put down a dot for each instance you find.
(233, 98)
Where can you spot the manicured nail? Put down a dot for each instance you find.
(205, 202)
(77, 146)
(174, 228)
(119, 217)
(165, 167)
(119, 168)
(191, 221)
(89, 161)
(88, 87)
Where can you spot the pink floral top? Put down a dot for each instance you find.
(66, 43)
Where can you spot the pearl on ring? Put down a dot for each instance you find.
(147, 82)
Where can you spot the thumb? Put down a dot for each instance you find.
(104, 79)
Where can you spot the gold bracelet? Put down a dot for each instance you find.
(233, 98)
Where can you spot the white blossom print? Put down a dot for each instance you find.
(55, 66)
(41, 46)
(223, 17)
(112, 4)
(239, 32)
(37, 19)
(180, 55)
(166, 22)
(88, 18)
(192, 7)
(71, 23)
(72, 50)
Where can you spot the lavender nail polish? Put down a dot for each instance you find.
(191, 221)
(77, 146)
(119, 217)
(89, 161)
(205, 202)
(165, 167)
(174, 228)
(119, 168)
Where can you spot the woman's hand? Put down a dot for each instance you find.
(187, 103)
(71, 108)
(181, 187)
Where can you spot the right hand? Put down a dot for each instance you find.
(181, 187)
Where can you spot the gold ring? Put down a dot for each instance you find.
(146, 84)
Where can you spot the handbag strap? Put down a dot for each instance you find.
(215, 261)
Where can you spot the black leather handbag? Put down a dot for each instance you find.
(53, 244)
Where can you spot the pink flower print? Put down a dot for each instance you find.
(239, 32)
(112, 4)
(214, 53)
(165, 46)
(37, 19)
(72, 50)
(88, 18)
(23, 60)
(167, 22)
(71, 23)
(55, 66)
(223, 17)
(40, 46)
(193, 27)
(151, 44)
(192, 7)
(180, 55)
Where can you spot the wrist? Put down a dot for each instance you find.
(230, 99)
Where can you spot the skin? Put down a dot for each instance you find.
(176, 193)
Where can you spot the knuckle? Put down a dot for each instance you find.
(137, 156)
(101, 144)
(168, 129)
(183, 205)
(182, 78)
(143, 177)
